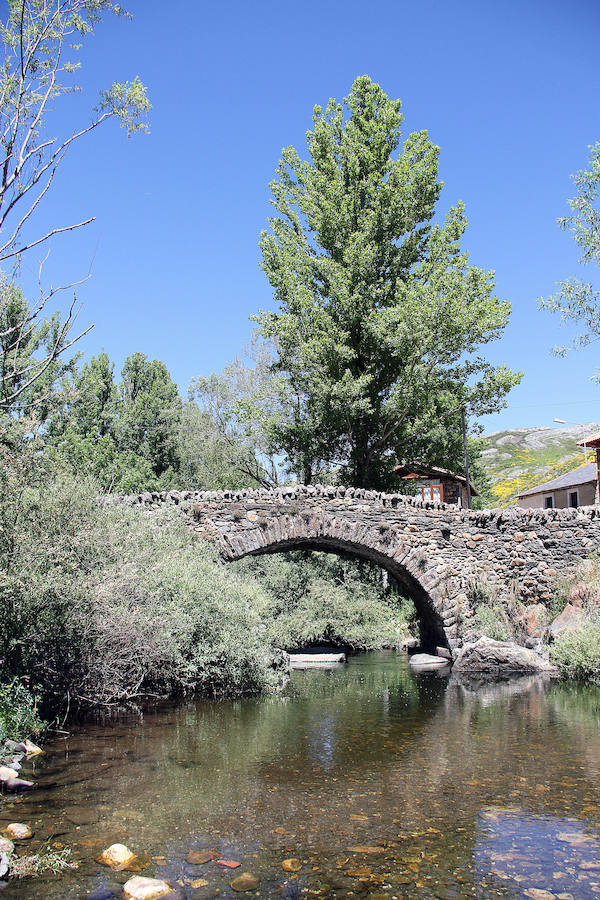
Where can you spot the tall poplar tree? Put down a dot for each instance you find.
(380, 316)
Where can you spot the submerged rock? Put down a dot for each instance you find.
(493, 657)
(244, 882)
(291, 865)
(140, 888)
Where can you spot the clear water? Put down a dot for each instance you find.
(380, 782)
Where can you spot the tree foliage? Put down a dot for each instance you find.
(578, 302)
(380, 315)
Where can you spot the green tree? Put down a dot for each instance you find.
(127, 435)
(149, 413)
(30, 365)
(578, 302)
(239, 408)
(380, 316)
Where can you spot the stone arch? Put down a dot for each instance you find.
(412, 571)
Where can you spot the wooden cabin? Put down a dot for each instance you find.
(434, 483)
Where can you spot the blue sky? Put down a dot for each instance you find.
(509, 91)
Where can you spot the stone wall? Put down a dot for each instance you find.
(440, 554)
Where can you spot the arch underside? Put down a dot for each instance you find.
(430, 622)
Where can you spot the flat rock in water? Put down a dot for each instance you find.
(493, 657)
(427, 661)
(6, 846)
(7, 774)
(139, 888)
(315, 660)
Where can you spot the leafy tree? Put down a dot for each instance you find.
(126, 435)
(380, 316)
(239, 407)
(578, 302)
(41, 41)
(30, 366)
(149, 413)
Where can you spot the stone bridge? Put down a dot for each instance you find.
(446, 559)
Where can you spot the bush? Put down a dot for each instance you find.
(493, 622)
(18, 714)
(576, 653)
(109, 603)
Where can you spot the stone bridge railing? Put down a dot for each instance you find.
(446, 559)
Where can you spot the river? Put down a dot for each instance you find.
(377, 781)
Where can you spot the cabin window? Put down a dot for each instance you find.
(549, 502)
(432, 489)
(573, 499)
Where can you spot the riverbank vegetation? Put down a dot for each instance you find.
(576, 649)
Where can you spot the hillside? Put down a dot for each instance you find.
(525, 457)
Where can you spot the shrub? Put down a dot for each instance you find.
(18, 713)
(576, 653)
(109, 603)
(493, 622)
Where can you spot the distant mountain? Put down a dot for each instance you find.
(522, 458)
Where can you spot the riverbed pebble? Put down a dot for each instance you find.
(140, 888)
(116, 856)
(291, 865)
(244, 882)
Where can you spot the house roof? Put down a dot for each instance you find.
(582, 475)
(592, 441)
(412, 470)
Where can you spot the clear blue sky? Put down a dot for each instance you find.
(510, 92)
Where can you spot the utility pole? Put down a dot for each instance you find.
(464, 437)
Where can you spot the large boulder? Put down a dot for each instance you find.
(499, 657)
(570, 619)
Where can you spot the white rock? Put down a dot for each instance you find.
(140, 888)
(116, 856)
(7, 774)
(18, 831)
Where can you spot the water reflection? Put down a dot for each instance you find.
(379, 780)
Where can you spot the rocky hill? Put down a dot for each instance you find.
(525, 457)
